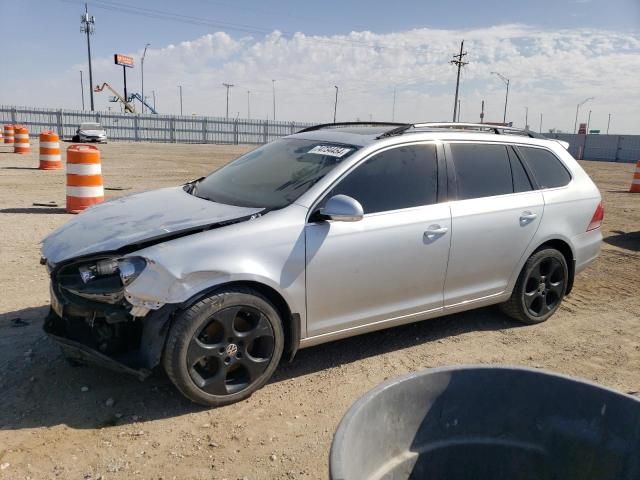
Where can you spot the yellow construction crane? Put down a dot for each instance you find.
(127, 106)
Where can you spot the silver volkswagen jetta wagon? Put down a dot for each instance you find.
(337, 230)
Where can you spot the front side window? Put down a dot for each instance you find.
(397, 178)
(274, 175)
(482, 170)
(548, 171)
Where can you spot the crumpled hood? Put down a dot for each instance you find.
(141, 217)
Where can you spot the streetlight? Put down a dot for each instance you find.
(228, 86)
(273, 84)
(142, 71)
(180, 89)
(608, 124)
(589, 121)
(153, 92)
(506, 97)
(82, 90)
(526, 117)
(575, 125)
(335, 105)
(248, 105)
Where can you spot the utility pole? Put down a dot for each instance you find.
(82, 90)
(459, 62)
(540, 130)
(459, 109)
(608, 124)
(526, 118)
(142, 72)
(273, 85)
(248, 105)
(87, 23)
(506, 98)
(153, 92)
(228, 85)
(180, 89)
(575, 125)
(335, 105)
(589, 121)
(393, 109)
(482, 113)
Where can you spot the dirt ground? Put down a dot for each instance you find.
(59, 421)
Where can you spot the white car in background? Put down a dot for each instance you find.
(90, 132)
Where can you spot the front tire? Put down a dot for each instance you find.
(540, 288)
(225, 347)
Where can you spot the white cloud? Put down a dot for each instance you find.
(550, 72)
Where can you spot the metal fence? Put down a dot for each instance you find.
(608, 148)
(151, 128)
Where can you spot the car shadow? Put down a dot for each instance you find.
(626, 240)
(38, 388)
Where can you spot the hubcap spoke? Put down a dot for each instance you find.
(226, 317)
(556, 289)
(536, 273)
(529, 298)
(198, 350)
(262, 329)
(216, 385)
(255, 366)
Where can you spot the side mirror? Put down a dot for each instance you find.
(342, 208)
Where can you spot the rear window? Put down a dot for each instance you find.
(547, 169)
(482, 170)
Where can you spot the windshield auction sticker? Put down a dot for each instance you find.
(330, 150)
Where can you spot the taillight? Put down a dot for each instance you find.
(597, 218)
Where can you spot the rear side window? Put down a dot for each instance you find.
(398, 178)
(482, 170)
(547, 169)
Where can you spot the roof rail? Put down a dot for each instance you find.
(351, 124)
(486, 127)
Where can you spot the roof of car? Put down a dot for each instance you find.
(363, 134)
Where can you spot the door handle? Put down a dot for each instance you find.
(435, 231)
(528, 216)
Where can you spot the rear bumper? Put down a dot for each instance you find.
(586, 248)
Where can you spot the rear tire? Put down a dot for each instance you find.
(225, 347)
(75, 139)
(540, 288)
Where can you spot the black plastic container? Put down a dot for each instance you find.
(481, 422)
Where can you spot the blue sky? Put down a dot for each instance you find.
(201, 43)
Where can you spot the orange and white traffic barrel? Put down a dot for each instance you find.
(8, 134)
(21, 143)
(50, 158)
(84, 178)
(635, 181)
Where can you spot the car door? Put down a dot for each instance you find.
(390, 264)
(493, 219)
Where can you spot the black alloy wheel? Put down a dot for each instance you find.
(231, 351)
(544, 287)
(224, 347)
(540, 287)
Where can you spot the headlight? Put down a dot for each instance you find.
(128, 268)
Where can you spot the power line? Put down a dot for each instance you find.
(459, 62)
(171, 16)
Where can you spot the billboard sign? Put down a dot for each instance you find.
(123, 60)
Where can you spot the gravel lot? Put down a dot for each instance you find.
(57, 421)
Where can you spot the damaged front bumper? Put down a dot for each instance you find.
(107, 335)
